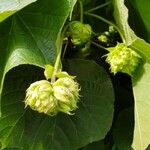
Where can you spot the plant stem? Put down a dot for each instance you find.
(57, 63)
(106, 21)
(65, 48)
(100, 46)
(100, 6)
(81, 11)
(58, 59)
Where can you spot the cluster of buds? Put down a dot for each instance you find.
(122, 59)
(79, 32)
(53, 97)
(109, 38)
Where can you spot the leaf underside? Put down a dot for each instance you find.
(140, 80)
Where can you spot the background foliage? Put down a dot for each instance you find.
(114, 110)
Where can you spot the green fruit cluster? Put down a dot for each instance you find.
(123, 59)
(51, 98)
(79, 32)
(109, 37)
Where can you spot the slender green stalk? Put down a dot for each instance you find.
(65, 48)
(99, 7)
(81, 11)
(58, 59)
(106, 21)
(57, 63)
(1, 90)
(98, 45)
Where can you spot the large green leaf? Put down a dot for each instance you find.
(30, 36)
(72, 4)
(142, 110)
(142, 98)
(121, 17)
(9, 7)
(26, 129)
(100, 145)
(140, 80)
(143, 48)
(143, 9)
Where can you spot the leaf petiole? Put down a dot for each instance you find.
(99, 6)
(65, 48)
(58, 59)
(81, 10)
(98, 45)
(106, 21)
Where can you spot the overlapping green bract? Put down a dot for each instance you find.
(80, 32)
(51, 98)
(39, 97)
(123, 59)
(66, 91)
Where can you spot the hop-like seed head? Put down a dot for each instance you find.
(80, 32)
(122, 59)
(51, 98)
(66, 91)
(40, 97)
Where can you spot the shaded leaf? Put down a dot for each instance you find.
(96, 146)
(123, 129)
(24, 128)
(148, 148)
(143, 8)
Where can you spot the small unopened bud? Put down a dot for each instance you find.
(123, 59)
(48, 71)
(112, 30)
(80, 32)
(103, 38)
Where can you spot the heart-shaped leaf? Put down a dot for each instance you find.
(26, 129)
